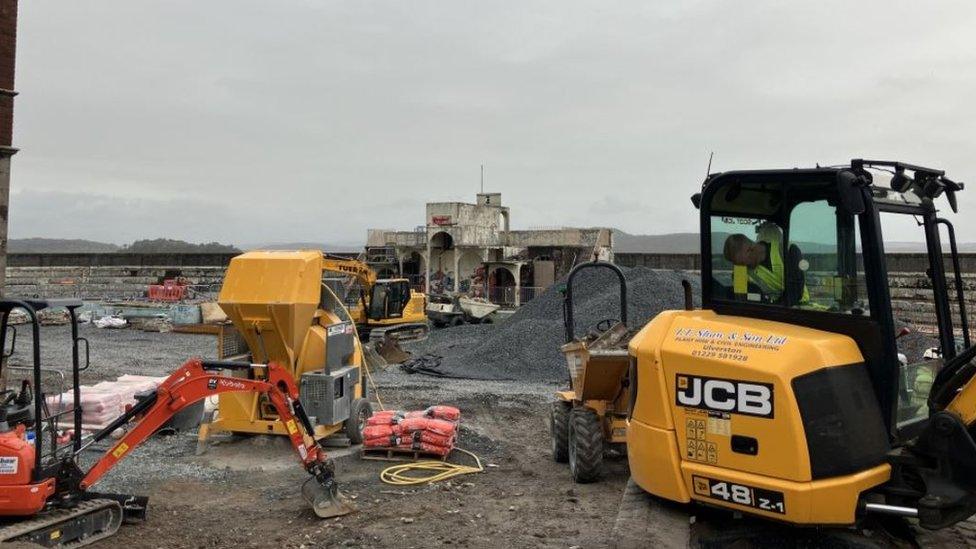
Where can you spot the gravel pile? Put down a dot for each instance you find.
(915, 343)
(526, 346)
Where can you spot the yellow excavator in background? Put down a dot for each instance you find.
(386, 308)
(784, 397)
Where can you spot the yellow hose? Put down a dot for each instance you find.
(400, 475)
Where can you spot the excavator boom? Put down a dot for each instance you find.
(196, 380)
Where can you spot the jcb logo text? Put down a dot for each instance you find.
(724, 395)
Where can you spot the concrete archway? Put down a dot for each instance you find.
(503, 285)
(442, 240)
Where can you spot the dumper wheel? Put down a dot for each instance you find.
(356, 422)
(559, 430)
(585, 445)
(456, 321)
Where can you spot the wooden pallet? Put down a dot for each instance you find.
(203, 329)
(398, 454)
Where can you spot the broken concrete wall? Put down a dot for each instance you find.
(587, 238)
(107, 282)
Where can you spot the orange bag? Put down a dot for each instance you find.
(447, 413)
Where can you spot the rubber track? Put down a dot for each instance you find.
(559, 430)
(586, 440)
(420, 332)
(51, 518)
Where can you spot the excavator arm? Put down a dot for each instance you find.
(355, 268)
(196, 380)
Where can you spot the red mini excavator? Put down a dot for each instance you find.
(45, 495)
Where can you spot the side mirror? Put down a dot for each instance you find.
(696, 200)
(850, 192)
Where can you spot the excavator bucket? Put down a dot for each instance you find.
(326, 500)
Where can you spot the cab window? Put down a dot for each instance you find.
(823, 244)
(794, 251)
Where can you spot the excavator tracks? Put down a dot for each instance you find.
(404, 333)
(86, 523)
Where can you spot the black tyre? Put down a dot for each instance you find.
(457, 320)
(585, 445)
(356, 422)
(559, 430)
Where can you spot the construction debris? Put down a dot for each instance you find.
(52, 317)
(157, 324)
(112, 321)
(211, 313)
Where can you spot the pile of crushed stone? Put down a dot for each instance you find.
(526, 345)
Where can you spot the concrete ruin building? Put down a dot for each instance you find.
(471, 249)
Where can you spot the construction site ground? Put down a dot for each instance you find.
(245, 491)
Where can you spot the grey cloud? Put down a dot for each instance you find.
(349, 115)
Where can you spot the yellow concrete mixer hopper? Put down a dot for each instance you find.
(282, 312)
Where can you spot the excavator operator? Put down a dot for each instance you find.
(763, 259)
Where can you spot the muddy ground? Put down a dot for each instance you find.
(245, 492)
(523, 499)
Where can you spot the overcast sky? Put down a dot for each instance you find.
(258, 121)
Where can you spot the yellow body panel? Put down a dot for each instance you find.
(671, 439)
(830, 501)
(964, 404)
(273, 298)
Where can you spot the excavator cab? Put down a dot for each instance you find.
(807, 247)
(784, 396)
(388, 298)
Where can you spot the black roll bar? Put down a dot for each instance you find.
(568, 300)
(960, 294)
(31, 306)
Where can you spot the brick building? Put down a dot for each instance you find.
(8, 56)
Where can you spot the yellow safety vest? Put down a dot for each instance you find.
(771, 280)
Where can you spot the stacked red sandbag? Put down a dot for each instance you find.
(432, 430)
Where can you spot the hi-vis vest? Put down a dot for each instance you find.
(771, 280)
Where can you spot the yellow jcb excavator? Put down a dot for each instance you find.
(784, 396)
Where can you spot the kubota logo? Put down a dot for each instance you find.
(724, 395)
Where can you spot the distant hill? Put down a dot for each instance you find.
(673, 243)
(168, 245)
(58, 245)
(336, 247)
